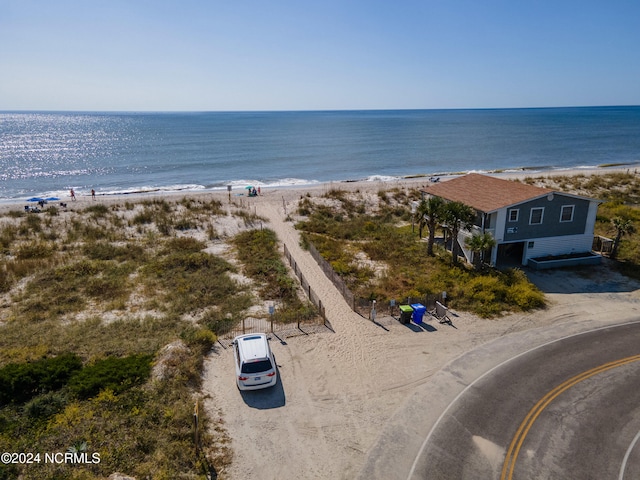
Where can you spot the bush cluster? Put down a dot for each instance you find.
(20, 382)
(116, 374)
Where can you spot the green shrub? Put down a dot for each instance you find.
(97, 210)
(185, 223)
(183, 245)
(526, 296)
(156, 204)
(219, 323)
(34, 250)
(116, 374)
(227, 313)
(52, 211)
(32, 223)
(20, 382)
(46, 405)
(106, 287)
(101, 250)
(5, 280)
(15, 213)
(8, 235)
(200, 339)
(304, 207)
(9, 472)
(144, 217)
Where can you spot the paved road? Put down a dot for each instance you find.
(569, 409)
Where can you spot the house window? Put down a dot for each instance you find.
(513, 214)
(536, 215)
(566, 215)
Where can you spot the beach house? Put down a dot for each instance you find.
(528, 223)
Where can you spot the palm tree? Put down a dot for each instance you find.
(479, 243)
(457, 216)
(429, 213)
(623, 226)
(421, 216)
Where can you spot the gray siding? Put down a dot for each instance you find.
(551, 225)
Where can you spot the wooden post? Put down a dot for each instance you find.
(196, 438)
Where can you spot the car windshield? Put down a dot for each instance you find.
(256, 367)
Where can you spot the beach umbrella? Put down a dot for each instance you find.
(52, 199)
(35, 199)
(249, 187)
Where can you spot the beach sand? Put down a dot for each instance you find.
(293, 193)
(345, 405)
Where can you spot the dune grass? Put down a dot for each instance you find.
(258, 251)
(112, 286)
(379, 256)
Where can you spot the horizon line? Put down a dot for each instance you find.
(329, 110)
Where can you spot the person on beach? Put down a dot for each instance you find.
(93, 194)
(73, 194)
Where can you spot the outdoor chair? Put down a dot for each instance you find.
(441, 313)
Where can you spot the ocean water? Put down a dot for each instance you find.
(47, 153)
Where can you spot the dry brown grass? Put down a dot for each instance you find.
(116, 281)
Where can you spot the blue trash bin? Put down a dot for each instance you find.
(418, 312)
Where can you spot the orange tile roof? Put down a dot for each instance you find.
(485, 193)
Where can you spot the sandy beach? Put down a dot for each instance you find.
(345, 403)
(292, 193)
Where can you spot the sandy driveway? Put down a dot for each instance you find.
(346, 400)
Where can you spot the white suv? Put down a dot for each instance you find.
(255, 363)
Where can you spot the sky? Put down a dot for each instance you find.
(211, 55)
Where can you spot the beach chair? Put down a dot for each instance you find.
(441, 313)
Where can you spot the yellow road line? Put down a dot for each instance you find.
(527, 423)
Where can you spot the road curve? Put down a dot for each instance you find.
(580, 418)
(569, 409)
